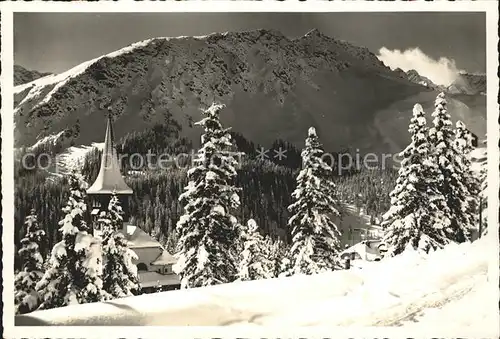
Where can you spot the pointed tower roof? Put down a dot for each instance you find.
(109, 178)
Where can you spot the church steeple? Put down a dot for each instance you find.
(109, 180)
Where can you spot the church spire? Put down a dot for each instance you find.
(109, 179)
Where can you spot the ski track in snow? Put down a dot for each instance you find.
(71, 159)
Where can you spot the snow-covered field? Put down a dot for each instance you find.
(448, 289)
(72, 159)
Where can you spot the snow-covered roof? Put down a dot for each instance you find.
(151, 279)
(109, 179)
(138, 238)
(164, 258)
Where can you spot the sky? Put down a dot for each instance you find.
(55, 42)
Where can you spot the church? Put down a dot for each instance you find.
(154, 263)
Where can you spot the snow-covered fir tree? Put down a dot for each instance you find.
(464, 146)
(455, 181)
(255, 258)
(417, 217)
(75, 266)
(26, 298)
(315, 237)
(158, 287)
(208, 232)
(120, 278)
(463, 138)
(483, 196)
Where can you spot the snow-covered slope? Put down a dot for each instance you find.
(479, 158)
(274, 87)
(413, 76)
(393, 292)
(465, 311)
(23, 75)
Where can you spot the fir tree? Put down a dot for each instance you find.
(464, 147)
(418, 213)
(208, 232)
(454, 180)
(255, 262)
(315, 237)
(120, 278)
(278, 256)
(483, 196)
(26, 297)
(74, 274)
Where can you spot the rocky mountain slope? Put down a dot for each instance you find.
(273, 87)
(23, 75)
(469, 83)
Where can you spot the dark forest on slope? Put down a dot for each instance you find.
(266, 186)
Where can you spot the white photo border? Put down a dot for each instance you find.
(8, 8)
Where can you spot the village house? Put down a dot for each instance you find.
(154, 263)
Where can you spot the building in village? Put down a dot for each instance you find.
(154, 263)
(355, 226)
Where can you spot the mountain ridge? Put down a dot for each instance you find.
(273, 87)
(23, 75)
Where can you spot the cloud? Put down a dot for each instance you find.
(442, 72)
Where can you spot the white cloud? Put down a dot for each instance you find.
(442, 72)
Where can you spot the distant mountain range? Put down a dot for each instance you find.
(23, 75)
(273, 87)
(465, 83)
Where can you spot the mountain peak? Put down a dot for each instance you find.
(415, 77)
(314, 32)
(468, 83)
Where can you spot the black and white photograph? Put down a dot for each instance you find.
(252, 169)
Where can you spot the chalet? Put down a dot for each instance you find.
(154, 263)
(368, 250)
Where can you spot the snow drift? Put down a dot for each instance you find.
(273, 86)
(394, 292)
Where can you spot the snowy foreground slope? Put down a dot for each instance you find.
(446, 290)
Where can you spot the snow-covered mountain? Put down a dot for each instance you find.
(23, 75)
(465, 83)
(273, 87)
(469, 83)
